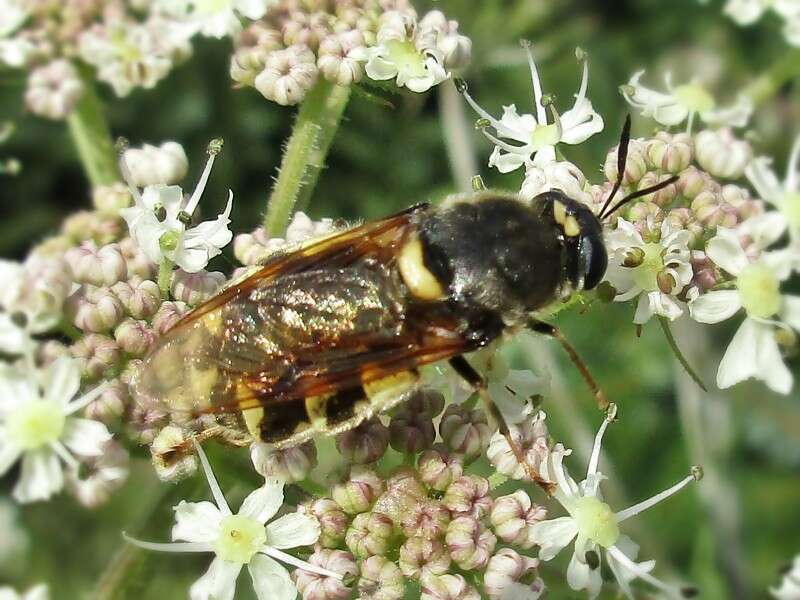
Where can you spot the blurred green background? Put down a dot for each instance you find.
(730, 534)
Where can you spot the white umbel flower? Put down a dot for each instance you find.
(789, 588)
(747, 12)
(242, 539)
(753, 351)
(160, 217)
(595, 526)
(783, 195)
(14, 51)
(656, 270)
(683, 102)
(412, 60)
(37, 592)
(215, 18)
(37, 424)
(519, 138)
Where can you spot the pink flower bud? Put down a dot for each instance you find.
(134, 337)
(318, 587)
(470, 543)
(288, 75)
(332, 522)
(707, 208)
(706, 273)
(364, 444)
(464, 431)
(447, 587)
(641, 212)
(662, 197)
(425, 518)
(96, 355)
(411, 432)
(721, 154)
(143, 298)
(468, 495)
(94, 309)
(53, 90)
(740, 199)
(138, 263)
(100, 476)
(531, 438)
(513, 518)
(438, 468)
(635, 165)
(153, 165)
(110, 199)
(341, 57)
(692, 181)
(97, 266)
(506, 568)
(168, 314)
(669, 153)
(381, 579)
(50, 351)
(111, 404)
(420, 556)
(359, 492)
(99, 228)
(403, 492)
(194, 288)
(289, 464)
(369, 534)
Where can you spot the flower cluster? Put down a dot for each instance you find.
(294, 45)
(747, 12)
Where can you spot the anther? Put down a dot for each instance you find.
(214, 146)
(477, 183)
(592, 560)
(666, 282)
(580, 54)
(20, 319)
(482, 123)
(611, 412)
(697, 472)
(633, 258)
(121, 145)
(185, 218)
(160, 212)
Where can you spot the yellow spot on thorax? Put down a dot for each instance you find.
(422, 283)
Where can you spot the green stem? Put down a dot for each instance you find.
(165, 277)
(317, 122)
(92, 137)
(782, 71)
(678, 354)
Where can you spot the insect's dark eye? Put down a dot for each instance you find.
(594, 260)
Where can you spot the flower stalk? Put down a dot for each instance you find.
(92, 136)
(317, 122)
(775, 77)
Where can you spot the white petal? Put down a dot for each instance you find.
(37, 592)
(745, 12)
(271, 580)
(763, 178)
(252, 9)
(196, 522)
(715, 306)
(292, 530)
(553, 535)
(581, 577)
(771, 368)
(621, 572)
(13, 338)
(9, 453)
(16, 389)
(765, 229)
(41, 476)
(85, 436)
(735, 115)
(726, 251)
(790, 312)
(580, 123)
(380, 69)
(263, 503)
(218, 583)
(505, 162)
(739, 362)
(62, 379)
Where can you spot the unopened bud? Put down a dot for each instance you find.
(381, 579)
(369, 534)
(96, 354)
(470, 543)
(332, 522)
(134, 337)
(365, 443)
(419, 556)
(721, 154)
(359, 492)
(173, 456)
(289, 464)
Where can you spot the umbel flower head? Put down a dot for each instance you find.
(594, 526)
(520, 139)
(160, 219)
(242, 539)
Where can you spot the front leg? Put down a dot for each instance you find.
(555, 332)
(478, 384)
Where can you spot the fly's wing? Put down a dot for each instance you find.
(309, 324)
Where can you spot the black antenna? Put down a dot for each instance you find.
(622, 158)
(640, 193)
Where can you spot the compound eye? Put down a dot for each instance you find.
(594, 260)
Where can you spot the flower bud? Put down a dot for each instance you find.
(706, 274)
(313, 586)
(468, 495)
(289, 464)
(530, 437)
(707, 209)
(152, 165)
(86, 225)
(513, 518)
(332, 522)
(134, 337)
(438, 468)
(288, 75)
(425, 518)
(364, 444)
(138, 263)
(53, 90)
(369, 534)
(96, 354)
(141, 298)
(411, 432)
(721, 154)
(669, 153)
(341, 57)
(359, 492)
(683, 218)
(254, 248)
(97, 266)
(194, 288)
(111, 404)
(470, 543)
(100, 476)
(420, 556)
(170, 459)
(168, 314)
(381, 579)
(691, 182)
(464, 431)
(447, 587)
(635, 165)
(403, 492)
(740, 199)
(661, 197)
(505, 568)
(50, 351)
(641, 212)
(110, 199)
(95, 309)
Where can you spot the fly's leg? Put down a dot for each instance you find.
(555, 332)
(478, 384)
